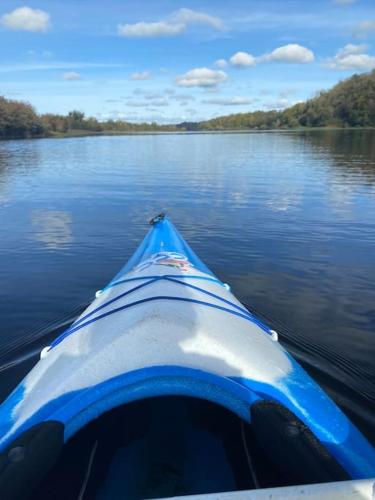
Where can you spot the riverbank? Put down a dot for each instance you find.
(112, 133)
(348, 104)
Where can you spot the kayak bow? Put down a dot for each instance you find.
(167, 326)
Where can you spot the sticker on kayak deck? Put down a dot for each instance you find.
(171, 259)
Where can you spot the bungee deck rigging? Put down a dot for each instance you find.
(241, 312)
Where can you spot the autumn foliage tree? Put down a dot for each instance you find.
(350, 103)
(19, 120)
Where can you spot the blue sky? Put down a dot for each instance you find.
(170, 61)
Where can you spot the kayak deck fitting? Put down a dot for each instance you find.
(167, 385)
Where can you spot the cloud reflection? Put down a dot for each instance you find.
(284, 200)
(52, 228)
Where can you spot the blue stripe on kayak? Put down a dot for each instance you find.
(115, 299)
(214, 295)
(247, 317)
(153, 280)
(214, 280)
(185, 276)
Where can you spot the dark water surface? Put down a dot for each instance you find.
(288, 219)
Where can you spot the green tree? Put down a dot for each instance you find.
(76, 120)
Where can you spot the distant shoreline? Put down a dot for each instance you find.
(349, 105)
(87, 133)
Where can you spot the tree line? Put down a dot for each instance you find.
(19, 120)
(350, 103)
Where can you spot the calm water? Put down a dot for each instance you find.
(288, 219)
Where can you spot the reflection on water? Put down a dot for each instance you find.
(12, 164)
(287, 218)
(52, 228)
(352, 153)
(285, 199)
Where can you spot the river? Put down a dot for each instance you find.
(287, 218)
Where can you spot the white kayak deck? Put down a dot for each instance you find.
(343, 490)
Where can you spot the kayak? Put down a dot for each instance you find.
(167, 385)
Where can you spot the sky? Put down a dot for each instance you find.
(170, 61)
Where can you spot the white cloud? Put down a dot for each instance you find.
(229, 101)
(352, 57)
(352, 49)
(221, 63)
(188, 16)
(278, 104)
(71, 76)
(35, 55)
(26, 19)
(360, 62)
(201, 77)
(141, 75)
(364, 29)
(183, 97)
(150, 30)
(155, 99)
(175, 24)
(242, 59)
(291, 53)
(160, 102)
(137, 104)
(152, 96)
